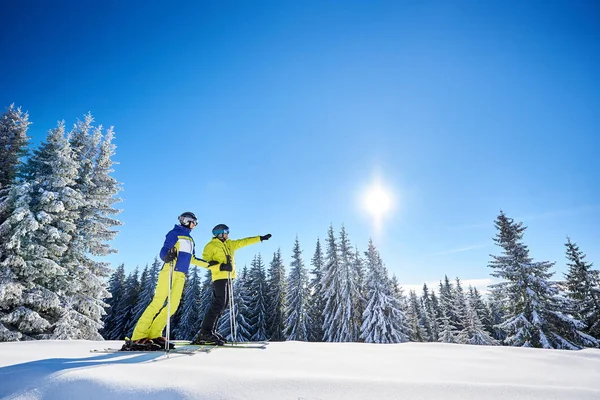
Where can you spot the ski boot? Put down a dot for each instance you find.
(207, 338)
(161, 341)
(140, 345)
(221, 337)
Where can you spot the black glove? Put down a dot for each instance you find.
(266, 237)
(211, 263)
(226, 267)
(171, 255)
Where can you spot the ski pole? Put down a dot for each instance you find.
(230, 304)
(168, 334)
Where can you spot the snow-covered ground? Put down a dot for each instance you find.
(299, 371)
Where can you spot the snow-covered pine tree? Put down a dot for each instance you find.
(496, 315)
(383, 319)
(116, 287)
(481, 308)
(436, 314)
(448, 331)
(583, 289)
(414, 318)
(206, 295)
(340, 291)
(473, 331)
(126, 318)
(13, 145)
(13, 196)
(148, 282)
(359, 300)
(431, 325)
(448, 300)
(276, 294)
(40, 229)
(95, 224)
(189, 321)
(331, 284)
(317, 303)
(459, 305)
(298, 297)
(533, 314)
(257, 290)
(352, 300)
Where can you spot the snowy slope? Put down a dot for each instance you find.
(296, 370)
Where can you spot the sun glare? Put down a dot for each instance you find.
(378, 202)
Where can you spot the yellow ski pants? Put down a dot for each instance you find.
(154, 319)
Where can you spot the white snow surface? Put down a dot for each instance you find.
(298, 371)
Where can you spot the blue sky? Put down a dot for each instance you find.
(278, 116)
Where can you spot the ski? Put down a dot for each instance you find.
(177, 350)
(229, 346)
(188, 342)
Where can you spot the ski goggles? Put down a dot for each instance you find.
(221, 231)
(188, 220)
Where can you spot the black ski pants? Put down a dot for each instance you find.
(220, 300)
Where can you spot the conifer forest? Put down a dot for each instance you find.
(58, 216)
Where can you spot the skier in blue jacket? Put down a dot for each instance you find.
(178, 254)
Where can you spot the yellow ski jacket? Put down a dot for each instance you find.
(216, 250)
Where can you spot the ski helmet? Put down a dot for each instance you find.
(220, 230)
(186, 218)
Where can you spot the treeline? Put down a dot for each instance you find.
(348, 296)
(56, 214)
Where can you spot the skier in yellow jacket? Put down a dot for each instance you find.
(178, 254)
(221, 249)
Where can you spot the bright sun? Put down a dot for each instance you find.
(378, 202)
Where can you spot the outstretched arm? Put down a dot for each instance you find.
(239, 243)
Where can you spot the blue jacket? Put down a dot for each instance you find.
(180, 237)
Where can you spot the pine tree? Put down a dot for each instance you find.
(474, 331)
(436, 315)
(116, 287)
(317, 303)
(257, 290)
(358, 274)
(448, 332)
(481, 308)
(14, 206)
(242, 300)
(583, 289)
(341, 323)
(331, 283)
(430, 321)
(459, 305)
(13, 146)
(352, 300)
(383, 319)
(298, 297)
(148, 282)
(497, 315)
(448, 329)
(206, 295)
(39, 231)
(414, 318)
(534, 317)
(94, 225)
(189, 322)
(126, 320)
(276, 299)
(449, 322)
